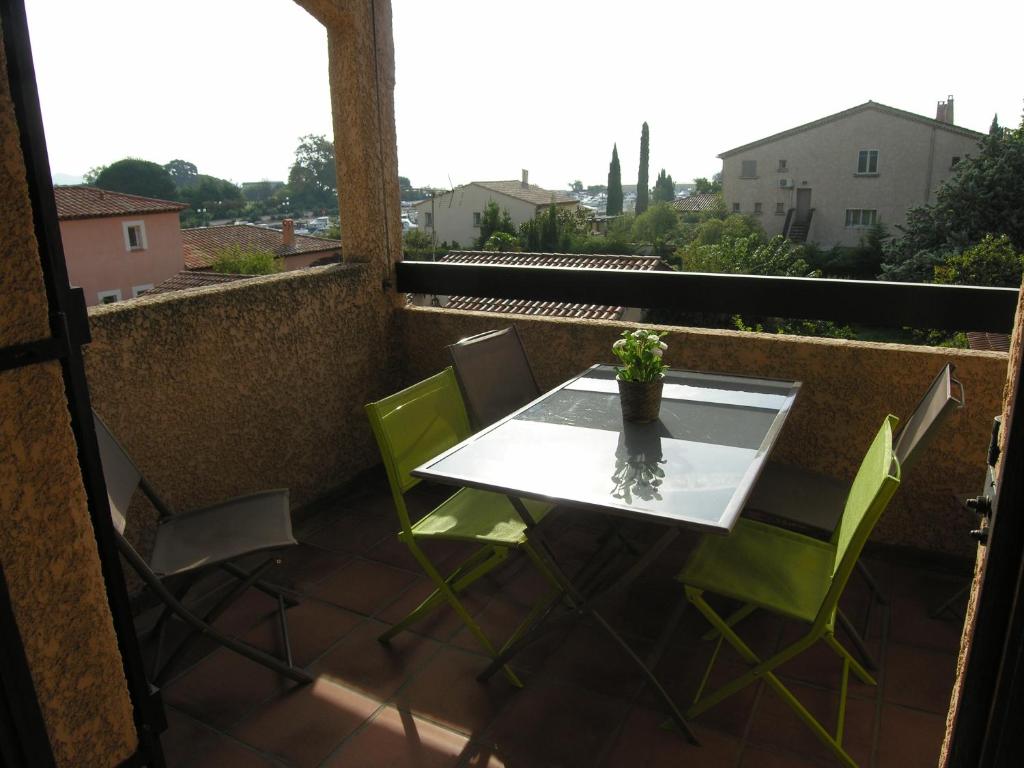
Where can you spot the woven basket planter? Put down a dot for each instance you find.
(640, 400)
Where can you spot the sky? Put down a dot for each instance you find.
(485, 89)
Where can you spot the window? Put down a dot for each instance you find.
(782, 166)
(735, 207)
(953, 163)
(861, 217)
(138, 290)
(429, 220)
(867, 161)
(748, 169)
(134, 235)
(757, 209)
(780, 209)
(108, 297)
(476, 218)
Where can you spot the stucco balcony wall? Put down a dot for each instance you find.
(848, 387)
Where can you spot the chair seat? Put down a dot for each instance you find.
(482, 516)
(767, 566)
(792, 493)
(222, 532)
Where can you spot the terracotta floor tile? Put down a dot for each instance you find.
(919, 677)
(499, 619)
(313, 627)
(644, 741)
(443, 622)
(185, 737)
(445, 555)
(446, 691)
(363, 586)
(822, 666)
(305, 565)
(306, 724)
(909, 738)
(910, 622)
(360, 661)
(777, 726)
(223, 687)
(766, 757)
(552, 723)
(229, 754)
(355, 532)
(399, 740)
(592, 659)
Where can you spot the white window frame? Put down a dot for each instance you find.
(855, 218)
(138, 290)
(129, 225)
(115, 294)
(868, 155)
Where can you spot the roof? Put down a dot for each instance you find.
(531, 193)
(189, 279)
(82, 202)
(547, 308)
(202, 244)
(872, 105)
(702, 201)
(991, 342)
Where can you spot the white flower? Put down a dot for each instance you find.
(657, 352)
(639, 334)
(619, 344)
(653, 336)
(662, 345)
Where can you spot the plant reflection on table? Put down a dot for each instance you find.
(638, 461)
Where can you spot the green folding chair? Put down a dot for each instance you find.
(797, 576)
(412, 427)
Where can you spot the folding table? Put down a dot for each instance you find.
(693, 468)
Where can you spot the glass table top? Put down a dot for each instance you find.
(694, 467)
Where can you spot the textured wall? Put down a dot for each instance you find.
(46, 540)
(847, 388)
(239, 387)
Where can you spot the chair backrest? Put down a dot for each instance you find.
(931, 411)
(119, 471)
(874, 485)
(415, 425)
(494, 375)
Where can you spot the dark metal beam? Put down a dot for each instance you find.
(949, 307)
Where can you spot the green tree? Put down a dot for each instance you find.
(993, 261)
(657, 226)
(183, 173)
(92, 174)
(642, 192)
(137, 177)
(748, 255)
(614, 207)
(494, 220)
(703, 186)
(576, 186)
(239, 260)
(218, 197)
(502, 241)
(312, 180)
(982, 197)
(664, 188)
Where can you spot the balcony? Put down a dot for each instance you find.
(230, 389)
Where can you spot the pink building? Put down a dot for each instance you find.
(118, 246)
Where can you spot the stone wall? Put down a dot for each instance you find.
(47, 546)
(848, 387)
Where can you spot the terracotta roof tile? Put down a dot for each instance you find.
(81, 202)
(203, 243)
(703, 201)
(547, 308)
(189, 279)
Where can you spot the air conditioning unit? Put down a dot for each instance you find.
(785, 183)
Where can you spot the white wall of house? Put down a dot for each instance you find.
(914, 158)
(454, 216)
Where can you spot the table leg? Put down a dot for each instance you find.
(584, 605)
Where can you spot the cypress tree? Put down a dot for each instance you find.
(614, 184)
(664, 188)
(642, 192)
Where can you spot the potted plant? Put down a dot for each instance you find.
(641, 373)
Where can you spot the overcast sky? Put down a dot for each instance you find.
(486, 89)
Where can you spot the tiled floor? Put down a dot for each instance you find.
(417, 702)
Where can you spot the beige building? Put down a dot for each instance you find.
(829, 181)
(454, 217)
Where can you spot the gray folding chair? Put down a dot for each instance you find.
(494, 375)
(815, 502)
(189, 545)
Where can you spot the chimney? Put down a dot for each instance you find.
(944, 111)
(288, 233)
(526, 178)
